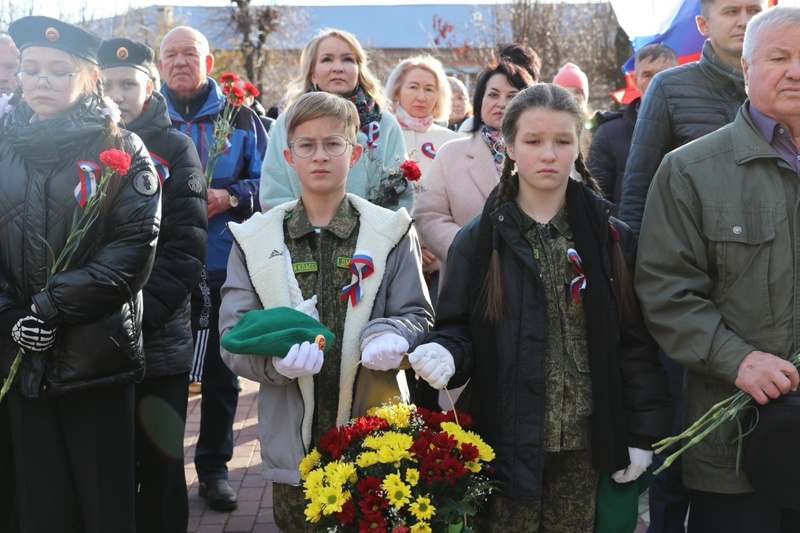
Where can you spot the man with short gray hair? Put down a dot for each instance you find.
(9, 64)
(718, 273)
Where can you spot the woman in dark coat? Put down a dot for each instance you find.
(72, 402)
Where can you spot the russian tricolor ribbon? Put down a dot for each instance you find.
(579, 282)
(372, 131)
(87, 183)
(429, 150)
(162, 168)
(361, 266)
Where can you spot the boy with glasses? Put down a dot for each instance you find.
(298, 255)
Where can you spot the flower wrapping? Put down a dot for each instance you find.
(393, 183)
(398, 468)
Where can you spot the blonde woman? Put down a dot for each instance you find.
(334, 62)
(420, 96)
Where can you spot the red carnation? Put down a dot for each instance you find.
(116, 159)
(411, 170)
(401, 529)
(236, 96)
(251, 90)
(229, 77)
(334, 442)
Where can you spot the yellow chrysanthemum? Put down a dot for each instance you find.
(396, 414)
(422, 508)
(420, 527)
(313, 511)
(412, 476)
(392, 480)
(472, 467)
(314, 481)
(331, 498)
(308, 462)
(338, 473)
(373, 442)
(367, 459)
(397, 493)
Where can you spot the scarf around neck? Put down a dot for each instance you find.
(420, 125)
(497, 145)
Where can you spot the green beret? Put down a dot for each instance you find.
(274, 331)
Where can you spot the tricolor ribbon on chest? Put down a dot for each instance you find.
(372, 131)
(87, 181)
(579, 282)
(361, 266)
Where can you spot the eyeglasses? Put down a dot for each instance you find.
(305, 147)
(58, 81)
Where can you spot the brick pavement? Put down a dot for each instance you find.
(254, 514)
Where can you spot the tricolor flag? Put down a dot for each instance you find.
(669, 22)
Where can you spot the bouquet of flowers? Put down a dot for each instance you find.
(393, 183)
(114, 160)
(722, 412)
(399, 469)
(223, 124)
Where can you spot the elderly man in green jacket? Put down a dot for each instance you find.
(718, 271)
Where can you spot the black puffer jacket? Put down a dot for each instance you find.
(682, 104)
(181, 242)
(608, 153)
(505, 361)
(97, 304)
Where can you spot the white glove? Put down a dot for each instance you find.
(384, 352)
(433, 363)
(302, 360)
(640, 460)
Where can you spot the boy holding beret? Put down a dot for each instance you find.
(352, 265)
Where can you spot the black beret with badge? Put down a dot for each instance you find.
(272, 332)
(53, 33)
(122, 52)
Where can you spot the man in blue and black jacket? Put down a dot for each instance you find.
(194, 101)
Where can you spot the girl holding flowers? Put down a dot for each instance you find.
(537, 309)
(76, 326)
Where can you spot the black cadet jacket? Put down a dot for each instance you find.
(45, 166)
(181, 241)
(505, 361)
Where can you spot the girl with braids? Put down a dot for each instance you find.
(537, 309)
(72, 402)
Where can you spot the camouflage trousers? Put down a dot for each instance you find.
(288, 505)
(569, 485)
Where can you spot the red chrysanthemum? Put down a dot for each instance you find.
(372, 526)
(452, 469)
(116, 159)
(411, 170)
(348, 512)
(469, 452)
